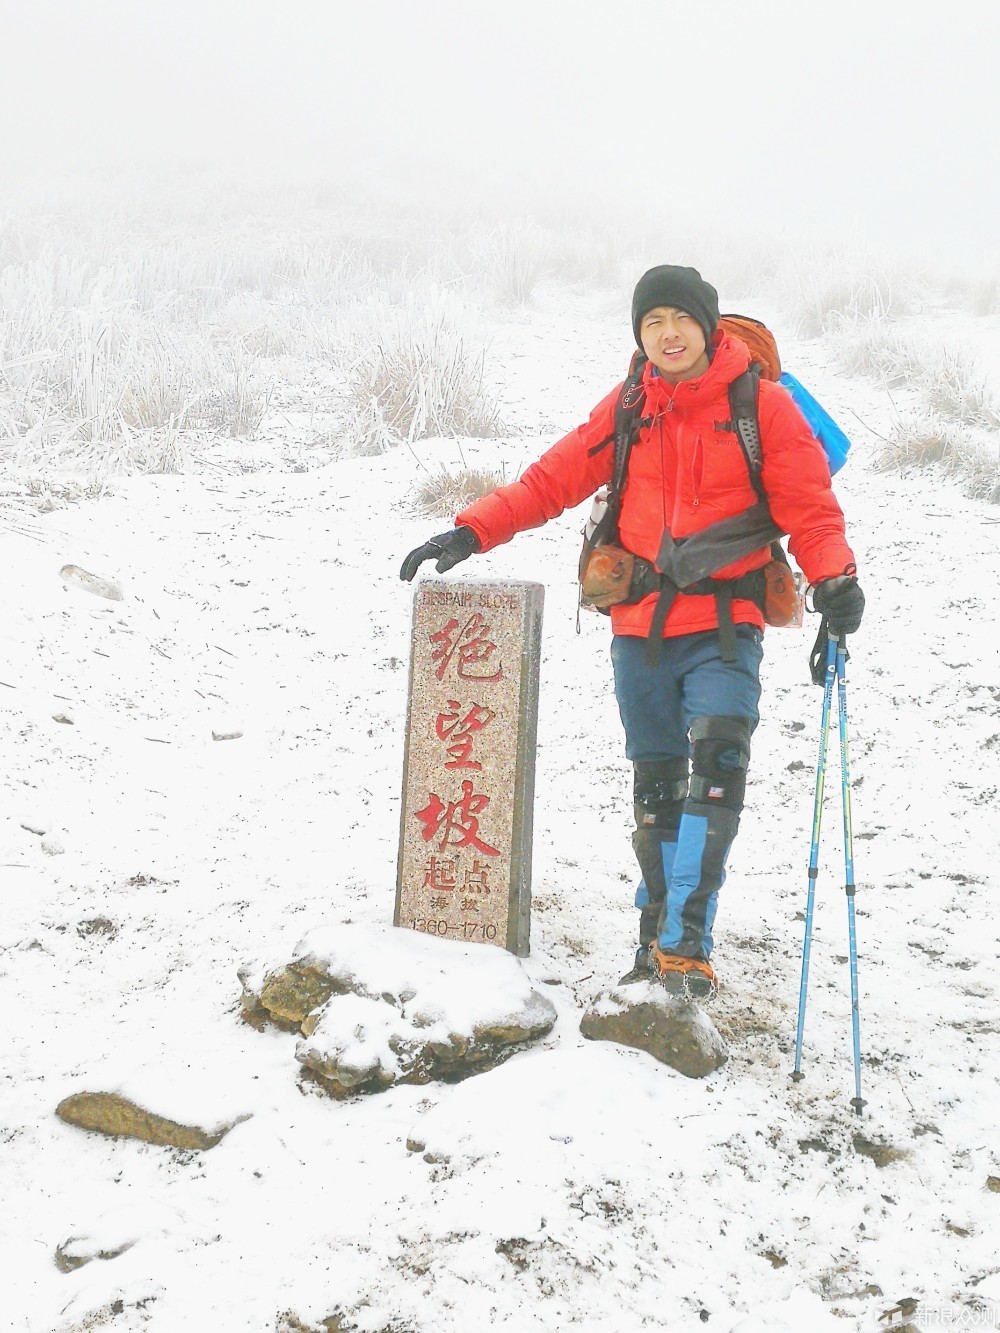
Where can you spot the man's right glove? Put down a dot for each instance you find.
(841, 601)
(450, 549)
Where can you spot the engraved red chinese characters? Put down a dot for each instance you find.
(460, 731)
(439, 874)
(457, 822)
(471, 646)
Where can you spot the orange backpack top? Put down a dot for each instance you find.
(759, 339)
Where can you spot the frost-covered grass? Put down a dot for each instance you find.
(152, 332)
(927, 440)
(416, 377)
(518, 260)
(956, 385)
(442, 493)
(118, 332)
(877, 348)
(977, 291)
(950, 376)
(956, 411)
(823, 288)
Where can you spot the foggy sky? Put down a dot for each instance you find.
(879, 117)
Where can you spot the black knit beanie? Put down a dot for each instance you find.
(683, 288)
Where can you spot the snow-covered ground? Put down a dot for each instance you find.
(580, 1185)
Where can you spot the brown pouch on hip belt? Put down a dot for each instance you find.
(606, 576)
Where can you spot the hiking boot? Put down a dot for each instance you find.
(641, 969)
(691, 977)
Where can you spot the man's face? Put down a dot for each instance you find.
(675, 343)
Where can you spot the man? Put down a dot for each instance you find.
(688, 699)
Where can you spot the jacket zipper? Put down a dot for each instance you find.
(678, 437)
(663, 463)
(663, 473)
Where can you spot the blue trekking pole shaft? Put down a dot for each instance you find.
(817, 824)
(845, 778)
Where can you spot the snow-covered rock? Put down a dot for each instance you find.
(76, 577)
(383, 1006)
(110, 1234)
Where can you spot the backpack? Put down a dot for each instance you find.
(610, 575)
(764, 355)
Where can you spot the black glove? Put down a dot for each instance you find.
(450, 549)
(841, 601)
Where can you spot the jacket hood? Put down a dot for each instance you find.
(730, 358)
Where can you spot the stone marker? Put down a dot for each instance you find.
(464, 868)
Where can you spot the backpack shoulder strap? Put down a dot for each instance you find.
(743, 394)
(628, 418)
(746, 423)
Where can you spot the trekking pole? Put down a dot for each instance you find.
(836, 671)
(845, 780)
(824, 729)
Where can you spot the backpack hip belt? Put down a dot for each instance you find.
(748, 587)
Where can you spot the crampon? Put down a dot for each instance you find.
(691, 977)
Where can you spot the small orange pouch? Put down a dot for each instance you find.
(606, 576)
(784, 601)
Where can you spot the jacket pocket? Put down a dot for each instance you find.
(718, 466)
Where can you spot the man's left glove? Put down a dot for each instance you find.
(450, 549)
(841, 601)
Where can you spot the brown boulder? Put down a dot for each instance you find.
(110, 1113)
(673, 1030)
(289, 996)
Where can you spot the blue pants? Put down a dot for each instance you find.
(690, 705)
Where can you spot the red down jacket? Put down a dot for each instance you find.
(685, 474)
